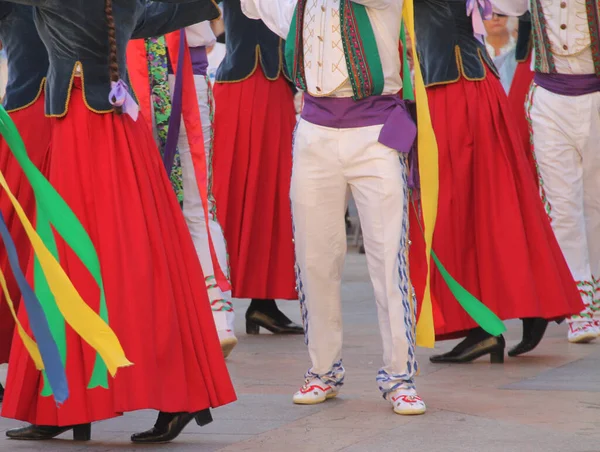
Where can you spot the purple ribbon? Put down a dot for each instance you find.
(119, 97)
(479, 10)
(175, 118)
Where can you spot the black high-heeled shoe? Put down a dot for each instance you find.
(477, 344)
(81, 432)
(533, 332)
(266, 314)
(1, 393)
(169, 426)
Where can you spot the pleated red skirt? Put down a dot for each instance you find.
(492, 232)
(35, 130)
(109, 171)
(252, 169)
(516, 98)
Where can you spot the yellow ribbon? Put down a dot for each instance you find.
(77, 313)
(428, 173)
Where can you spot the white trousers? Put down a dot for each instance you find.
(326, 162)
(566, 142)
(193, 210)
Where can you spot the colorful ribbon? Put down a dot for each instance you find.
(429, 179)
(479, 10)
(195, 136)
(52, 210)
(175, 118)
(119, 97)
(480, 313)
(50, 356)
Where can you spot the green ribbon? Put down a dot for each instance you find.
(407, 88)
(53, 211)
(479, 312)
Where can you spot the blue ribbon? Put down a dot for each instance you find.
(38, 323)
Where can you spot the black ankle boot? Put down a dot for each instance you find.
(533, 332)
(168, 426)
(265, 313)
(477, 344)
(81, 432)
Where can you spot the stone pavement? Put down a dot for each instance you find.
(545, 402)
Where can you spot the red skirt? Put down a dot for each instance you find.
(110, 173)
(516, 98)
(492, 233)
(35, 130)
(252, 169)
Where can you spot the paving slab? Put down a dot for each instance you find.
(547, 401)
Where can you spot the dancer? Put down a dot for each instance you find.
(348, 99)
(564, 111)
(105, 165)
(520, 87)
(24, 101)
(492, 233)
(153, 81)
(200, 36)
(252, 165)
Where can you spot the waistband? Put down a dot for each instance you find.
(399, 129)
(568, 84)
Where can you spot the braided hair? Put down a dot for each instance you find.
(113, 62)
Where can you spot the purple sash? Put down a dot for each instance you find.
(568, 84)
(199, 61)
(399, 129)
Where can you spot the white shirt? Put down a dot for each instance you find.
(567, 28)
(200, 34)
(324, 61)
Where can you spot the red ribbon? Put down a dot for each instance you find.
(137, 62)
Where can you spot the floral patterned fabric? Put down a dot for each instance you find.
(156, 48)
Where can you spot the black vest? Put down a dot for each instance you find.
(524, 41)
(75, 31)
(250, 46)
(446, 46)
(26, 56)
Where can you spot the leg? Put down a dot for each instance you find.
(379, 188)
(591, 188)
(378, 178)
(318, 193)
(193, 211)
(555, 130)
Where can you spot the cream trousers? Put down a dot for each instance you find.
(566, 141)
(326, 162)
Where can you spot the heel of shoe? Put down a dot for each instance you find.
(497, 357)
(252, 327)
(203, 417)
(82, 432)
